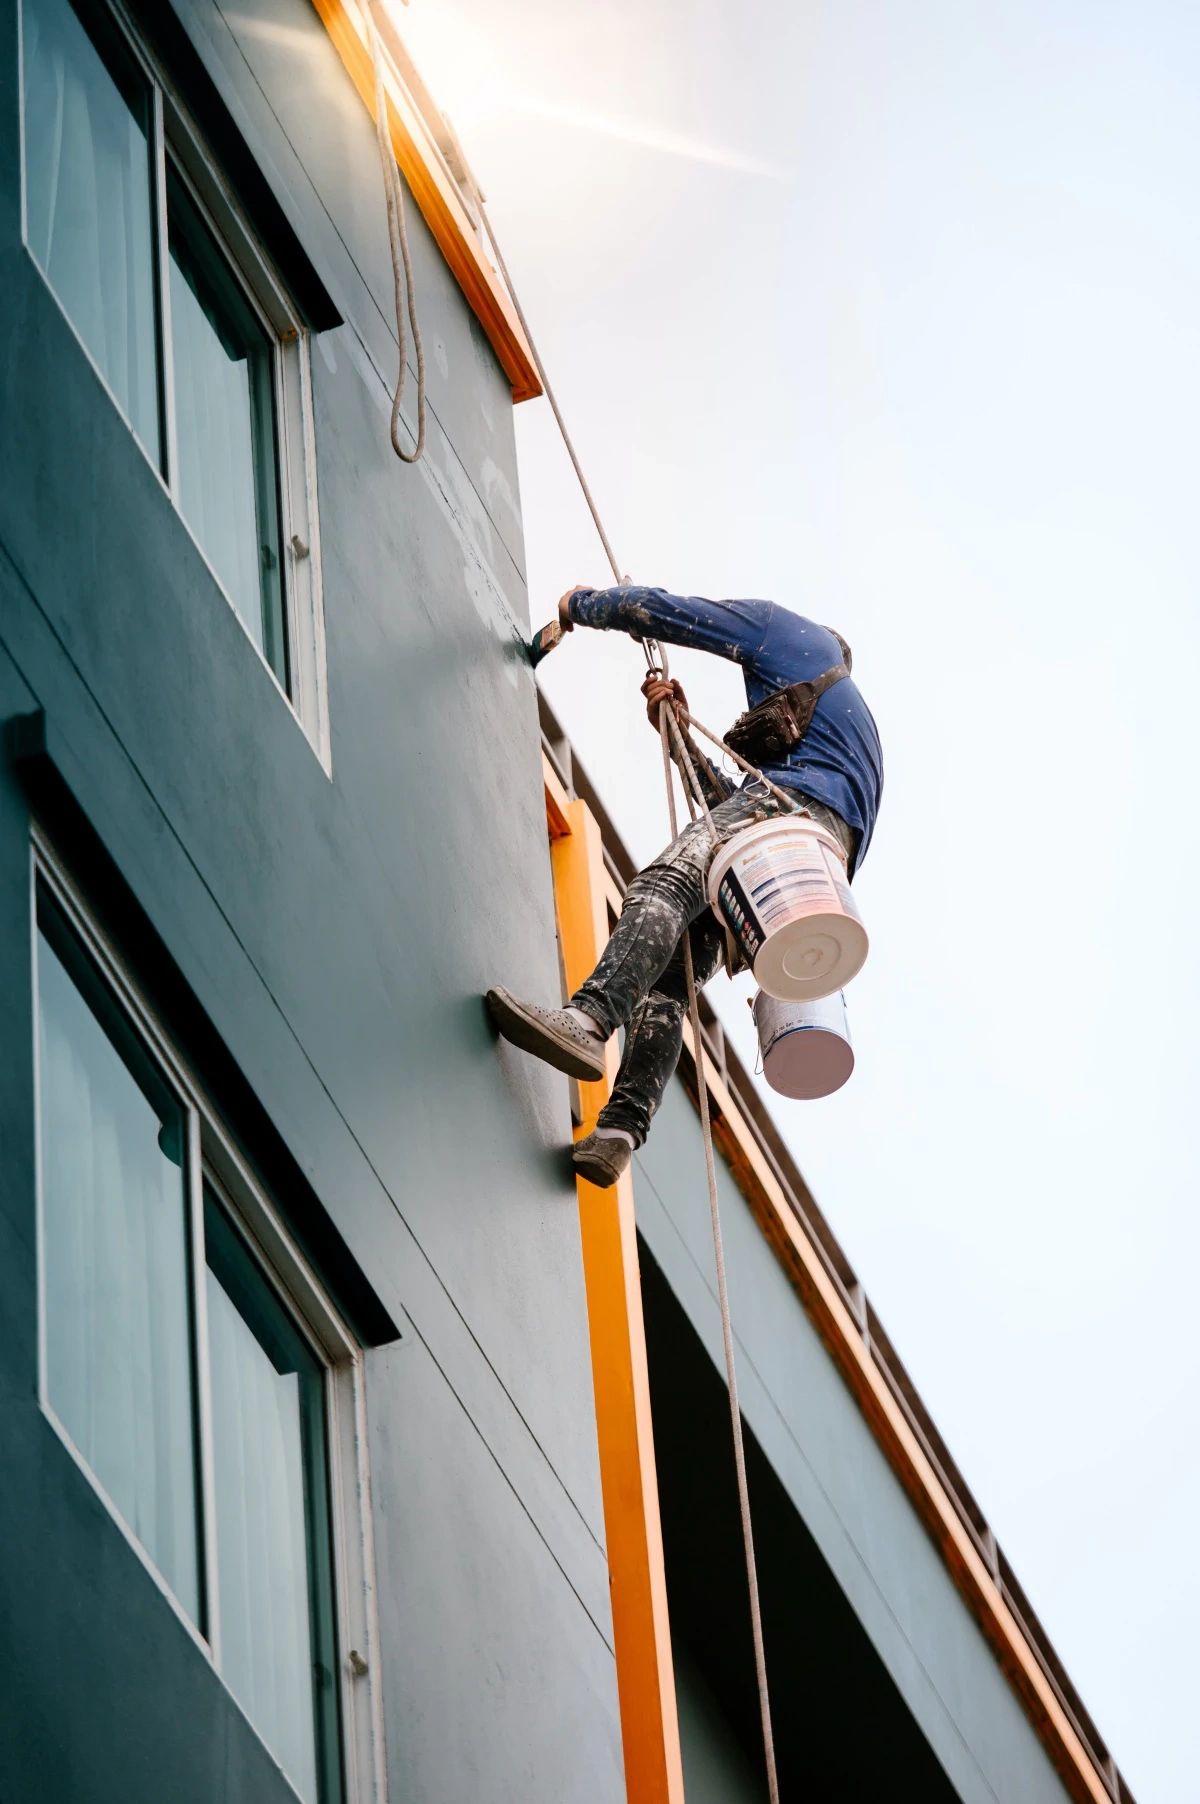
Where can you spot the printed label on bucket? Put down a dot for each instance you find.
(786, 882)
(781, 890)
(740, 916)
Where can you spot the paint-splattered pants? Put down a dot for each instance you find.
(639, 983)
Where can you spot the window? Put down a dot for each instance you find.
(119, 1368)
(271, 1507)
(221, 1422)
(145, 249)
(228, 478)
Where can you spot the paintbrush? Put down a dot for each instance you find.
(544, 641)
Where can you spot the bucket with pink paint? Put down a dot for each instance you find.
(805, 1046)
(781, 889)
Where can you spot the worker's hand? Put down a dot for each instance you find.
(659, 689)
(564, 606)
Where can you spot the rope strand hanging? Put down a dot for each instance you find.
(649, 646)
(669, 726)
(404, 291)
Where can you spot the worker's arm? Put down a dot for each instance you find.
(728, 629)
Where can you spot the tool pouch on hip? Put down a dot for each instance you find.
(767, 733)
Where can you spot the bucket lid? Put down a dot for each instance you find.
(806, 1049)
(810, 958)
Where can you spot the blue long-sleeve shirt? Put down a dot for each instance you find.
(839, 761)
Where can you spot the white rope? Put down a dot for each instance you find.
(649, 646)
(667, 724)
(404, 291)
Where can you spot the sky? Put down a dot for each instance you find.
(889, 310)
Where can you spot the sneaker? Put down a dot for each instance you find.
(601, 1160)
(548, 1033)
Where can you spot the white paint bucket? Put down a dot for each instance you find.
(805, 1046)
(781, 889)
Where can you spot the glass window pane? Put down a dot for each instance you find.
(274, 1573)
(119, 1373)
(88, 197)
(228, 477)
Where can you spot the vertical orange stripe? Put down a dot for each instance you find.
(633, 1531)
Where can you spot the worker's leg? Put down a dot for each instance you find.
(655, 1035)
(660, 905)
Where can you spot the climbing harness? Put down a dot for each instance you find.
(404, 291)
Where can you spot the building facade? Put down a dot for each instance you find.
(350, 1450)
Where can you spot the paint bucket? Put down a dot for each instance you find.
(781, 889)
(805, 1046)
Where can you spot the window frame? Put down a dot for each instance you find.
(176, 139)
(213, 1158)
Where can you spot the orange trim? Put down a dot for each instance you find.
(437, 196)
(557, 801)
(629, 1482)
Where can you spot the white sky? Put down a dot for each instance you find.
(890, 310)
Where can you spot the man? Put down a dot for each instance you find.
(817, 741)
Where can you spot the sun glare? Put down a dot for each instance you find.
(473, 77)
(465, 68)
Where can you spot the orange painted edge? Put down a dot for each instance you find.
(620, 1374)
(557, 801)
(841, 1335)
(442, 209)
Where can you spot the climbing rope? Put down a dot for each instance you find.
(404, 292)
(669, 730)
(650, 647)
(547, 385)
(668, 725)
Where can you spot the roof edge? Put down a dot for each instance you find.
(424, 163)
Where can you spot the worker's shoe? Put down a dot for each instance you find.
(553, 1034)
(601, 1158)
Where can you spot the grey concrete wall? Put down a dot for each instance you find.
(338, 935)
(851, 1503)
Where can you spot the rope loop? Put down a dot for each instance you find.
(403, 287)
